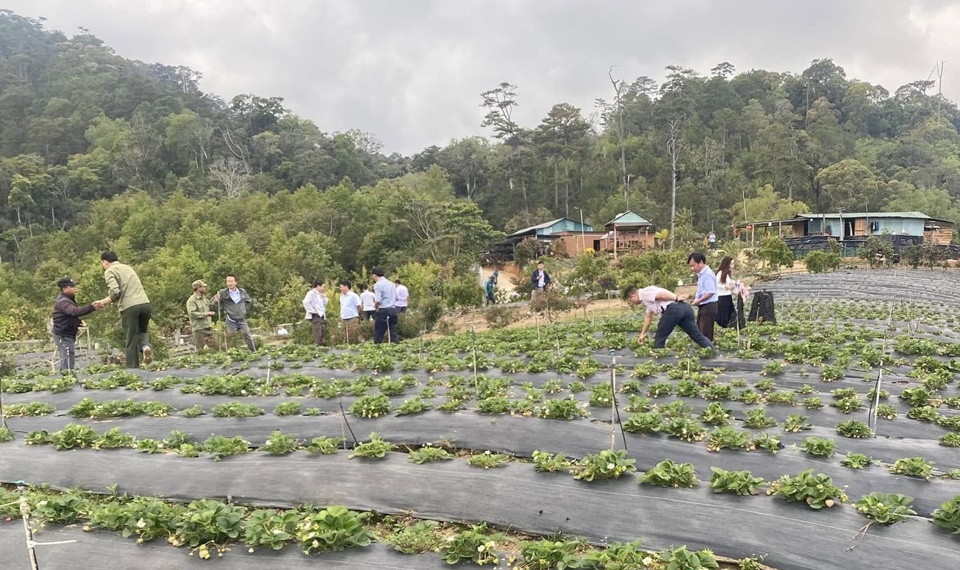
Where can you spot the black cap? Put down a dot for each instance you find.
(66, 282)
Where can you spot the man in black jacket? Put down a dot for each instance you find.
(66, 322)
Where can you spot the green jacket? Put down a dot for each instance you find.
(124, 286)
(197, 308)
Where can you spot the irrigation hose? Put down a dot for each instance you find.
(343, 417)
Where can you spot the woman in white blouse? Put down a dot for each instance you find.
(725, 285)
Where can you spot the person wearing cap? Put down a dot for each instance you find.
(385, 298)
(127, 292)
(199, 313)
(315, 304)
(66, 322)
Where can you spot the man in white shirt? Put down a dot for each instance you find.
(369, 305)
(350, 307)
(673, 311)
(403, 297)
(315, 305)
(385, 296)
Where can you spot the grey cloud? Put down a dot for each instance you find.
(411, 72)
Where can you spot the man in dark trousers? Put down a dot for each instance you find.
(673, 311)
(66, 322)
(385, 298)
(235, 304)
(127, 292)
(706, 299)
(539, 282)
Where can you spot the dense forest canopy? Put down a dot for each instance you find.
(98, 151)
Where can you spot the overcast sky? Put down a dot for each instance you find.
(411, 71)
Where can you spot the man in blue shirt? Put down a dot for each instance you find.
(385, 298)
(706, 299)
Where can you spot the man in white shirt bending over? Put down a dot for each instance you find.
(673, 311)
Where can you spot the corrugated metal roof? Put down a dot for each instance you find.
(909, 215)
(629, 218)
(538, 226)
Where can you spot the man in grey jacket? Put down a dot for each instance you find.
(235, 303)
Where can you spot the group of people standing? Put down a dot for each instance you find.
(713, 299)
(381, 305)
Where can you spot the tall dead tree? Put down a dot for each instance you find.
(673, 150)
(618, 91)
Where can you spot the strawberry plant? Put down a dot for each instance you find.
(376, 448)
(487, 460)
(25, 409)
(545, 462)
(772, 368)
(493, 405)
(429, 454)
(812, 403)
(912, 467)
(645, 422)
(288, 409)
(219, 446)
(682, 559)
(726, 437)
(765, 442)
(718, 392)
(832, 372)
(601, 396)
(795, 423)
(372, 406)
(848, 405)
(854, 429)
(886, 411)
(783, 398)
(949, 422)
(324, 445)
(816, 491)
(686, 429)
(333, 528)
(856, 461)
(412, 406)
(886, 508)
(205, 524)
(236, 410)
(916, 397)
(715, 415)
(560, 409)
(660, 389)
(667, 473)
(416, 538)
(269, 528)
(193, 411)
(5, 434)
(948, 515)
(474, 545)
(619, 555)
(737, 482)
(758, 419)
(73, 436)
(608, 464)
(65, 508)
(113, 439)
(819, 446)
(923, 414)
(951, 439)
(548, 554)
(749, 397)
(280, 443)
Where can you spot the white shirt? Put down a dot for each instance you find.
(367, 298)
(315, 303)
(350, 306)
(724, 289)
(648, 296)
(403, 294)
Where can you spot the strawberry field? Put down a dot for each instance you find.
(826, 441)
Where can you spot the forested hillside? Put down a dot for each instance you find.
(98, 151)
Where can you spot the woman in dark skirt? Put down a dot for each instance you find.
(725, 286)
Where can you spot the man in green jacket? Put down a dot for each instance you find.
(127, 292)
(199, 313)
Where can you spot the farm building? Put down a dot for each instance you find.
(630, 231)
(812, 231)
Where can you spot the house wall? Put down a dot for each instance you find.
(942, 236)
(633, 239)
(897, 226)
(573, 244)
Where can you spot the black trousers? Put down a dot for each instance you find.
(386, 320)
(679, 314)
(135, 321)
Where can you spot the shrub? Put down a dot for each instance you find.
(821, 261)
(462, 294)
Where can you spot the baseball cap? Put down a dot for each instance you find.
(198, 283)
(66, 282)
